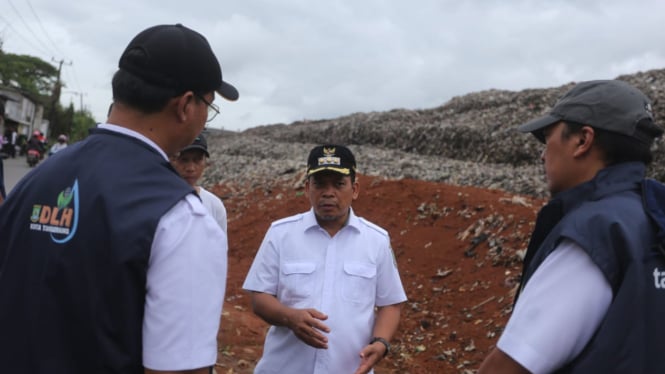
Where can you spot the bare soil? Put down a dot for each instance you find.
(459, 253)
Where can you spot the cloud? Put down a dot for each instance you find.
(294, 60)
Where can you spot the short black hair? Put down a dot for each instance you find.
(138, 94)
(616, 148)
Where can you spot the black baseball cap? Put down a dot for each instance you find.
(610, 105)
(332, 157)
(175, 56)
(198, 143)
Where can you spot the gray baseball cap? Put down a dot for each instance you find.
(609, 105)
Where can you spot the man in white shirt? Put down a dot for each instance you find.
(108, 259)
(588, 302)
(59, 145)
(318, 277)
(190, 163)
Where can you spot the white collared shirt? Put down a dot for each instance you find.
(215, 206)
(186, 282)
(558, 312)
(344, 276)
(133, 134)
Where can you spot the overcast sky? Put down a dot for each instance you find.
(306, 59)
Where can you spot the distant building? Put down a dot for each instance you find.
(21, 111)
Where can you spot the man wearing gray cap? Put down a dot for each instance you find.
(109, 263)
(592, 296)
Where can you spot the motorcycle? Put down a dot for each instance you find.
(33, 157)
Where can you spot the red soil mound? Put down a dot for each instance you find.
(458, 250)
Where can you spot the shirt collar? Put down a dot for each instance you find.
(310, 220)
(609, 180)
(133, 134)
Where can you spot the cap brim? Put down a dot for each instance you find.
(228, 92)
(197, 147)
(345, 171)
(539, 123)
(537, 126)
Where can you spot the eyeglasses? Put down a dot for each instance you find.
(213, 110)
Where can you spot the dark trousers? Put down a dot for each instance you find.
(9, 149)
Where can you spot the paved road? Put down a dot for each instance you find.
(15, 169)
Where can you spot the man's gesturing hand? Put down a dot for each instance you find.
(370, 356)
(307, 326)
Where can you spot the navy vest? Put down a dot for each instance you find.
(75, 239)
(608, 219)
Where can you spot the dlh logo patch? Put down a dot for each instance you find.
(60, 220)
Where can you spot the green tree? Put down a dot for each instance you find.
(82, 122)
(74, 124)
(39, 79)
(62, 121)
(27, 73)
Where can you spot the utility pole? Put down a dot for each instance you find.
(55, 97)
(80, 95)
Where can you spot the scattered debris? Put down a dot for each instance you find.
(483, 302)
(516, 199)
(443, 273)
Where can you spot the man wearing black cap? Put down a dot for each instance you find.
(592, 297)
(318, 277)
(109, 263)
(190, 163)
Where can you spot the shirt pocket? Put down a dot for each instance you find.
(297, 280)
(359, 283)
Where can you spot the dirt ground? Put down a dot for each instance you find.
(459, 254)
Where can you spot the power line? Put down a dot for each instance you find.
(41, 26)
(76, 78)
(72, 77)
(80, 95)
(43, 45)
(20, 35)
(28, 27)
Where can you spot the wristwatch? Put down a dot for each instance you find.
(382, 341)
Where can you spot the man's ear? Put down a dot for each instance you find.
(585, 139)
(356, 188)
(184, 105)
(307, 185)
